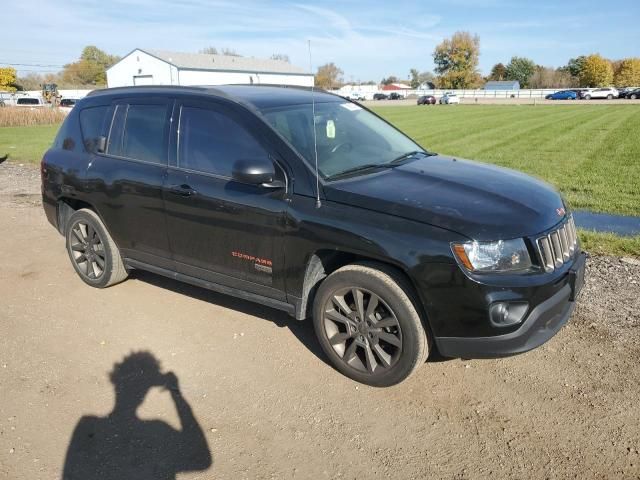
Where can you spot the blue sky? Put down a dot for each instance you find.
(368, 40)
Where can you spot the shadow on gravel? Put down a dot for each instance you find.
(303, 331)
(121, 446)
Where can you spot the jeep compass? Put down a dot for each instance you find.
(309, 203)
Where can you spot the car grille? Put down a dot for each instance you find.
(558, 246)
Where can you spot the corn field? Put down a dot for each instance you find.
(21, 117)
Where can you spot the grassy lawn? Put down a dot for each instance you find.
(26, 144)
(591, 153)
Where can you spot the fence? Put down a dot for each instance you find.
(470, 93)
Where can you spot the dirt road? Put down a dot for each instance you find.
(255, 383)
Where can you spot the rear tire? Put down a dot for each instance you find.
(609, 97)
(93, 253)
(369, 326)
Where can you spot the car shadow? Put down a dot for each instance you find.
(302, 330)
(122, 446)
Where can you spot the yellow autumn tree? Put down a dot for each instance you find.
(628, 73)
(8, 79)
(456, 60)
(596, 72)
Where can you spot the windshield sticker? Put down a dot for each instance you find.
(331, 129)
(350, 106)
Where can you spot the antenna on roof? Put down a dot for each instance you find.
(313, 126)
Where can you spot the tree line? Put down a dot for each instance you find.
(456, 62)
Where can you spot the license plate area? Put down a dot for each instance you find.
(576, 276)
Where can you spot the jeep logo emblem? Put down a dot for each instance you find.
(560, 211)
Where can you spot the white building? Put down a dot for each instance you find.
(154, 67)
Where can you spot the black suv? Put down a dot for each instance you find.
(333, 215)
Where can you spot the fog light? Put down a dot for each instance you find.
(503, 314)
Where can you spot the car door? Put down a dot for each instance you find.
(127, 178)
(219, 229)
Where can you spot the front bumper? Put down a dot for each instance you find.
(542, 323)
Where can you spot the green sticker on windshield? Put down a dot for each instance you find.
(331, 129)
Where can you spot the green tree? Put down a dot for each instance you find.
(415, 80)
(628, 74)
(90, 69)
(498, 72)
(328, 76)
(520, 69)
(596, 72)
(574, 66)
(8, 78)
(419, 78)
(456, 60)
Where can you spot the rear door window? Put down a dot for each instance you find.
(140, 132)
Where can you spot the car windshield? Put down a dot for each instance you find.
(348, 136)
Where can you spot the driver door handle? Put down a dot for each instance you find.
(183, 190)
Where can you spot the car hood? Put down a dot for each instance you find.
(480, 201)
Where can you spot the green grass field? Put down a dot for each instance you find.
(26, 144)
(591, 153)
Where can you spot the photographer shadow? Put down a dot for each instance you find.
(122, 446)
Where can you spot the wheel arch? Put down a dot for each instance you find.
(324, 262)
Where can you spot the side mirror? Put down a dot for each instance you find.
(254, 171)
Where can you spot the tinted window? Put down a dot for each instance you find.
(143, 137)
(210, 142)
(91, 124)
(28, 101)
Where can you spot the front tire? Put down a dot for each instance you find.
(93, 253)
(369, 326)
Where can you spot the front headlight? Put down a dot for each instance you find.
(500, 256)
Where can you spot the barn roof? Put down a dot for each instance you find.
(205, 61)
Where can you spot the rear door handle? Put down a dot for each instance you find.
(183, 190)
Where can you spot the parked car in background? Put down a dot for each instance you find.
(68, 102)
(357, 96)
(7, 98)
(449, 99)
(395, 96)
(32, 102)
(600, 93)
(427, 100)
(633, 94)
(562, 95)
(380, 96)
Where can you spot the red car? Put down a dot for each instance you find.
(427, 100)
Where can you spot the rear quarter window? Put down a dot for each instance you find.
(92, 123)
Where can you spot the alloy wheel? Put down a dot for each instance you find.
(87, 250)
(362, 330)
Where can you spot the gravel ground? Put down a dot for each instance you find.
(258, 398)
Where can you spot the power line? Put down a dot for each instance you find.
(30, 65)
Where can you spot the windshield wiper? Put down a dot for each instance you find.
(375, 166)
(360, 168)
(404, 156)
